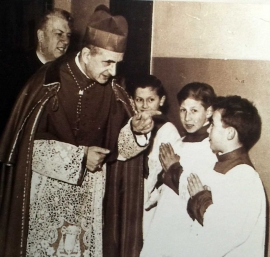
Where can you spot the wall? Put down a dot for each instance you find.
(211, 30)
(63, 4)
(225, 45)
(81, 11)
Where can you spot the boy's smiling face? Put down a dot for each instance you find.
(217, 133)
(147, 99)
(193, 115)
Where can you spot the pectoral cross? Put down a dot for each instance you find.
(81, 92)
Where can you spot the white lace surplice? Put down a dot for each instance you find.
(65, 219)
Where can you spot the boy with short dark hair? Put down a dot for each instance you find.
(231, 220)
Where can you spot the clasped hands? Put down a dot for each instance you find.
(195, 185)
(168, 157)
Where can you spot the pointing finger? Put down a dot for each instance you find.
(149, 113)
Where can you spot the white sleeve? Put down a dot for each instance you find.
(129, 144)
(58, 160)
(168, 133)
(236, 215)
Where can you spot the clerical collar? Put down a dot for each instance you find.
(197, 136)
(40, 57)
(229, 160)
(79, 65)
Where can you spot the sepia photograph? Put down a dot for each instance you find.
(134, 128)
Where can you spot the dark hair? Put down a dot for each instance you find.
(55, 12)
(144, 81)
(241, 114)
(197, 91)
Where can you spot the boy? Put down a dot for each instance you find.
(231, 221)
